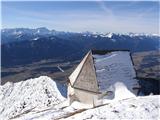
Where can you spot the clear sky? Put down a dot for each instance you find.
(95, 16)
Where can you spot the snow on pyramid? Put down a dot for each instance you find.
(32, 94)
(103, 74)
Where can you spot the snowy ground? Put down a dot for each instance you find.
(146, 108)
(139, 108)
(40, 99)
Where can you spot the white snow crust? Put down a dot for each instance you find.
(33, 93)
(36, 38)
(25, 96)
(139, 108)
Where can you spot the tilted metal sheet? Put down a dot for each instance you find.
(86, 79)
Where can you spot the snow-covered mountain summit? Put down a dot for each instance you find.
(40, 99)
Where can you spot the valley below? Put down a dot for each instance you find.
(146, 65)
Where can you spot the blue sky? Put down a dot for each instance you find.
(97, 16)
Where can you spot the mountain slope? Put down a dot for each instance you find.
(23, 46)
(25, 52)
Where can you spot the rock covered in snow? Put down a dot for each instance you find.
(25, 96)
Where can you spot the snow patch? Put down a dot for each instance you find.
(122, 92)
(107, 35)
(36, 38)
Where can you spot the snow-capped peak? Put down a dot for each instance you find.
(42, 30)
(106, 35)
(109, 35)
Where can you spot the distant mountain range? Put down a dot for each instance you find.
(24, 45)
(23, 34)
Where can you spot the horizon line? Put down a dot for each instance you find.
(93, 32)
